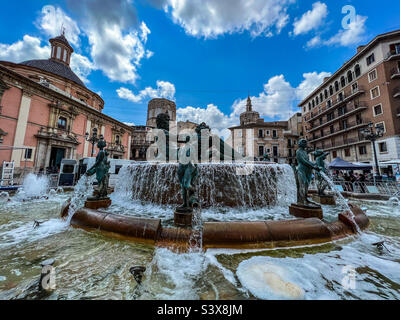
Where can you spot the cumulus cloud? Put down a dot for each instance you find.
(54, 20)
(117, 43)
(212, 18)
(164, 89)
(82, 66)
(278, 101)
(26, 49)
(344, 37)
(311, 20)
(215, 118)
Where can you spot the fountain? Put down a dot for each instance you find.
(191, 186)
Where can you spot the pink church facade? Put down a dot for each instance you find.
(46, 111)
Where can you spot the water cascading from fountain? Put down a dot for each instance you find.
(82, 190)
(342, 200)
(218, 184)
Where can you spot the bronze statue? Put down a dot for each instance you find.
(187, 174)
(266, 157)
(303, 174)
(322, 184)
(101, 168)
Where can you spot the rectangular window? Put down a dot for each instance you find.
(62, 123)
(372, 76)
(347, 152)
(274, 134)
(260, 134)
(332, 129)
(58, 52)
(375, 93)
(28, 154)
(380, 126)
(334, 154)
(362, 150)
(378, 110)
(354, 87)
(65, 56)
(382, 147)
(370, 59)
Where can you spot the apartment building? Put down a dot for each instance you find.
(278, 139)
(366, 89)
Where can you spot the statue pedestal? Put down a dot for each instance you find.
(325, 199)
(97, 203)
(305, 212)
(183, 217)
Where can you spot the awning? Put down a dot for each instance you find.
(392, 162)
(340, 164)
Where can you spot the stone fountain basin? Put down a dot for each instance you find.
(259, 234)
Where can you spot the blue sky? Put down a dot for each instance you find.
(207, 55)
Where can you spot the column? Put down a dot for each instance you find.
(129, 146)
(86, 146)
(21, 128)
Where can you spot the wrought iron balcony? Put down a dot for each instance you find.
(395, 73)
(339, 102)
(349, 112)
(396, 92)
(114, 147)
(350, 126)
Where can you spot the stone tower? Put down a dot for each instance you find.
(157, 106)
(249, 116)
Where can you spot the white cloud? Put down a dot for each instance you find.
(345, 37)
(82, 66)
(278, 100)
(129, 123)
(212, 18)
(212, 116)
(311, 20)
(53, 20)
(164, 89)
(117, 44)
(27, 49)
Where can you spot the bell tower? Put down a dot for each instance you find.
(61, 50)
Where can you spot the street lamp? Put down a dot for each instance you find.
(372, 136)
(93, 139)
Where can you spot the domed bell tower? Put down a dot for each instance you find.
(61, 50)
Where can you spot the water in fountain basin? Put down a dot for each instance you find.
(342, 200)
(82, 190)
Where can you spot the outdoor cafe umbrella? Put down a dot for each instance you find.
(340, 164)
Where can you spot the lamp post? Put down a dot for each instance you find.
(372, 136)
(93, 139)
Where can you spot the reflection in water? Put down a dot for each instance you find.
(90, 265)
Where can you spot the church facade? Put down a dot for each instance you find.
(47, 113)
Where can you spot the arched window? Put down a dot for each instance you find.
(317, 100)
(326, 94)
(309, 106)
(321, 97)
(62, 123)
(349, 76)
(58, 52)
(343, 81)
(65, 56)
(331, 90)
(313, 103)
(336, 86)
(117, 139)
(357, 70)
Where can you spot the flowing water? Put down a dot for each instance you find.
(341, 199)
(90, 265)
(82, 190)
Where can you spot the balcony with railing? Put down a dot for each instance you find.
(393, 55)
(395, 73)
(351, 110)
(340, 101)
(116, 147)
(342, 129)
(396, 92)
